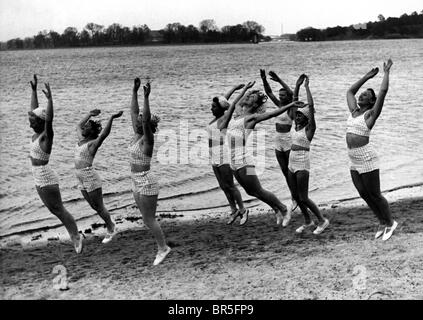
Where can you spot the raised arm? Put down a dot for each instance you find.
(34, 97)
(49, 112)
(351, 100)
(231, 92)
(311, 127)
(275, 77)
(81, 124)
(268, 89)
(104, 134)
(226, 118)
(298, 84)
(146, 116)
(377, 108)
(135, 109)
(253, 120)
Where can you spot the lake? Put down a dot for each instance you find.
(184, 80)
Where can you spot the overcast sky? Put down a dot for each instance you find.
(22, 18)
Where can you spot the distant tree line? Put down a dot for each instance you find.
(97, 35)
(406, 26)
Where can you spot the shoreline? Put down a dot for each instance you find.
(128, 216)
(209, 43)
(209, 256)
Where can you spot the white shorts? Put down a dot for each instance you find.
(283, 141)
(299, 160)
(363, 159)
(88, 179)
(245, 161)
(145, 183)
(44, 176)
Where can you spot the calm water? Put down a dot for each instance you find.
(184, 81)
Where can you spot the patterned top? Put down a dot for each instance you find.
(358, 125)
(284, 119)
(36, 152)
(299, 138)
(138, 157)
(237, 138)
(82, 154)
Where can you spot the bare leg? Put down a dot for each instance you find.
(283, 160)
(95, 199)
(220, 179)
(302, 188)
(292, 179)
(372, 182)
(148, 205)
(52, 199)
(248, 180)
(225, 178)
(361, 187)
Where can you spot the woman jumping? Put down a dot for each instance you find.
(299, 164)
(91, 137)
(284, 122)
(145, 183)
(251, 113)
(364, 162)
(220, 160)
(46, 180)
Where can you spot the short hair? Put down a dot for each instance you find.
(95, 128)
(373, 93)
(262, 98)
(154, 123)
(289, 93)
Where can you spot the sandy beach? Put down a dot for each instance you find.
(211, 260)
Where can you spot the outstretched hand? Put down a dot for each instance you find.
(299, 104)
(372, 73)
(147, 89)
(34, 84)
(137, 84)
(262, 73)
(274, 76)
(48, 92)
(95, 112)
(301, 79)
(307, 81)
(250, 85)
(387, 65)
(117, 115)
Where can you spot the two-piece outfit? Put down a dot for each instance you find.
(43, 175)
(237, 139)
(145, 182)
(218, 151)
(300, 159)
(363, 159)
(88, 178)
(283, 140)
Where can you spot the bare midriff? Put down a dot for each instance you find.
(139, 168)
(283, 128)
(296, 147)
(82, 165)
(355, 141)
(38, 162)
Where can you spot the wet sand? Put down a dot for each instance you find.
(211, 260)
